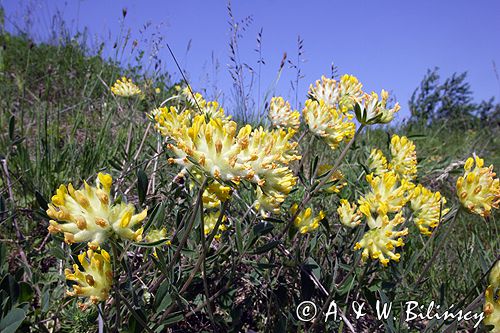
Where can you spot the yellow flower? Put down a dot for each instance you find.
(305, 222)
(380, 241)
(209, 222)
(214, 194)
(478, 190)
(168, 122)
(281, 114)
(273, 191)
(387, 195)
(88, 214)
(213, 145)
(426, 207)
(372, 110)
(96, 278)
(330, 124)
(349, 215)
(337, 94)
(125, 88)
(335, 180)
(404, 157)
(193, 98)
(377, 163)
(491, 306)
(156, 235)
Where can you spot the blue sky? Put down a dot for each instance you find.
(387, 44)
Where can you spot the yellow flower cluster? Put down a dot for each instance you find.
(88, 215)
(336, 181)
(329, 123)
(125, 88)
(391, 189)
(210, 220)
(403, 159)
(306, 222)
(157, 235)
(427, 207)
(96, 278)
(478, 189)
(341, 95)
(374, 110)
(491, 307)
(214, 146)
(281, 114)
(381, 240)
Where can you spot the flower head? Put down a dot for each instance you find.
(281, 114)
(491, 306)
(337, 94)
(387, 195)
(329, 123)
(380, 241)
(155, 236)
(349, 215)
(210, 221)
(373, 110)
(96, 278)
(125, 88)
(478, 189)
(404, 157)
(89, 215)
(305, 221)
(377, 163)
(428, 208)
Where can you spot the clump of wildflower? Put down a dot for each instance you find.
(381, 240)
(491, 306)
(305, 222)
(88, 215)
(349, 215)
(404, 157)
(373, 110)
(281, 114)
(125, 88)
(273, 192)
(478, 189)
(96, 278)
(210, 221)
(194, 99)
(328, 123)
(428, 208)
(337, 94)
(387, 195)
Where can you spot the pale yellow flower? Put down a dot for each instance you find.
(306, 222)
(194, 99)
(478, 190)
(404, 157)
(273, 192)
(156, 235)
(209, 222)
(88, 215)
(330, 124)
(373, 110)
(125, 88)
(491, 306)
(381, 240)
(349, 215)
(95, 280)
(427, 208)
(337, 94)
(377, 163)
(387, 194)
(281, 114)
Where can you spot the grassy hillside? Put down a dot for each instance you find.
(61, 123)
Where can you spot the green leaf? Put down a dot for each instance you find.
(12, 127)
(267, 247)
(25, 292)
(41, 201)
(239, 238)
(142, 185)
(12, 320)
